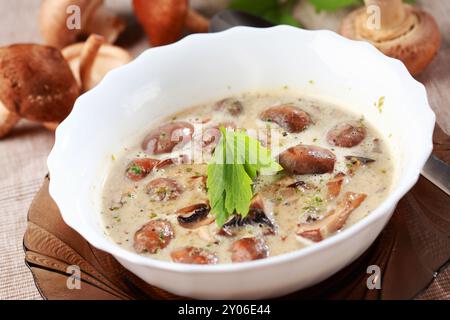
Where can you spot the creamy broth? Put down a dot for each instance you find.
(300, 209)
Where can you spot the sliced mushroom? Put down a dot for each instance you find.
(198, 182)
(94, 18)
(248, 249)
(138, 169)
(405, 32)
(287, 188)
(181, 159)
(8, 120)
(168, 136)
(302, 185)
(193, 255)
(256, 216)
(362, 160)
(377, 146)
(287, 116)
(153, 236)
(307, 159)
(334, 185)
(36, 82)
(334, 221)
(231, 106)
(164, 20)
(212, 135)
(195, 216)
(91, 60)
(346, 134)
(163, 189)
(355, 162)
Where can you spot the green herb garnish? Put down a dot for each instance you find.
(380, 103)
(237, 160)
(277, 12)
(135, 169)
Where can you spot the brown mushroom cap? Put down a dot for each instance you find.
(36, 82)
(164, 20)
(98, 59)
(407, 33)
(8, 120)
(95, 18)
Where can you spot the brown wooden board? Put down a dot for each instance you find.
(411, 250)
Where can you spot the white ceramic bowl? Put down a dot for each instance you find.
(209, 66)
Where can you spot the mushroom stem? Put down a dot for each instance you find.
(8, 120)
(395, 20)
(195, 22)
(399, 30)
(392, 12)
(105, 23)
(88, 55)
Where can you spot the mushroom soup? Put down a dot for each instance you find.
(158, 200)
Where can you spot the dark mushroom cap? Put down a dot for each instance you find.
(194, 216)
(36, 82)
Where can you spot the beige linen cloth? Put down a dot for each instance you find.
(23, 154)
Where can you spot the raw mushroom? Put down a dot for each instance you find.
(406, 32)
(54, 16)
(194, 216)
(90, 61)
(36, 82)
(8, 120)
(164, 20)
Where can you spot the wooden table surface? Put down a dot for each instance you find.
(23, 154)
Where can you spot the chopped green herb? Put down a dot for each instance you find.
(135, 169)
(188, 169)
(380, 104)
(361, 122)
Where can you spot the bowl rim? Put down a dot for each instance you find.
(403, 186)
